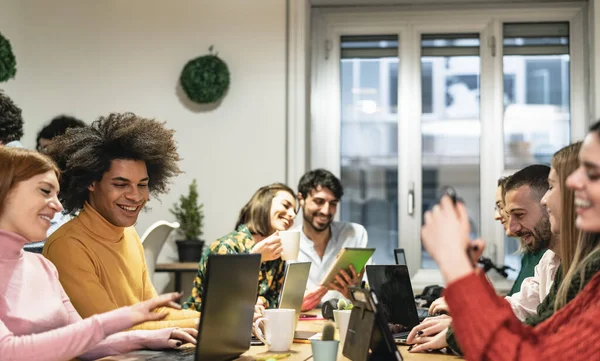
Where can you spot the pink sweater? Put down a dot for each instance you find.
(38, 322)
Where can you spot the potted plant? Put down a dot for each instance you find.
(190, 215)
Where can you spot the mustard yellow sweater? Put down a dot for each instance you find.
(102, 267)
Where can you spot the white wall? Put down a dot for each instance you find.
(88, 58)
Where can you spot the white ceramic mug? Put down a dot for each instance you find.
(279, 329)
(290, 241)
(342, 318)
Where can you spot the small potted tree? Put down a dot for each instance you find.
(190, 215)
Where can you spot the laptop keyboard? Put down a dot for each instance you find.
(185, 354)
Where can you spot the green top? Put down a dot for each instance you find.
(546, 309)
(528, 263)
(270, 276)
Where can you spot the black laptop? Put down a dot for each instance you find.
(391, 284)
(228, 299)
(399, 256)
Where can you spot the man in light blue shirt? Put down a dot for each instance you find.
(321, 238)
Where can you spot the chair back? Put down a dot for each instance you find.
(153, 240)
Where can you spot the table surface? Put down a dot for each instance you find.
(178, 266)
(299, 351)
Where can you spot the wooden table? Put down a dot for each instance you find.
(299, 351)
(177, 268)
(317, 326)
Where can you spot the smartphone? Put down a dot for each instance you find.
(450, 192)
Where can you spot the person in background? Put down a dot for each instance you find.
(527, 218)
(270, 210)
(57, 126)
(11, 122)
(322, 238)
(485, 326)
(37, 320)
(109, 171)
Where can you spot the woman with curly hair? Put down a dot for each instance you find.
(270, 210)
(52, 330)
(109, 171)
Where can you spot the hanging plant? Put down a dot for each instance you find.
(8, 63)
(205, 79)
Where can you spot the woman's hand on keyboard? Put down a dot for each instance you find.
(181, 336)
(429, 334)
(439, 307)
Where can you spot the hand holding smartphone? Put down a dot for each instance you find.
(451, 192)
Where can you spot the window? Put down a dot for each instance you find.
(536, 100)
(406, 102)
(450, 127)
(369, 138)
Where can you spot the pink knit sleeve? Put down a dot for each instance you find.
(127, 341)
(63, 343)
(121, 342)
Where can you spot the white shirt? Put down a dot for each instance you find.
(534, 289)
(343, 234)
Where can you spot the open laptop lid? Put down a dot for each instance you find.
(400, 256)
(392, 286)
(228, 299)
(294, 285)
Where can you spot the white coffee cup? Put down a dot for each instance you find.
(290, 241)
(342, 318)
(279, 329)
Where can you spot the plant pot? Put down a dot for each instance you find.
(190, 250)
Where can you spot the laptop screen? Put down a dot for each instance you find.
(400, 256)
(392, 286)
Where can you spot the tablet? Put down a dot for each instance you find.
(368, 337)
(357, 257)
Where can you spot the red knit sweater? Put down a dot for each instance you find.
(487, 328)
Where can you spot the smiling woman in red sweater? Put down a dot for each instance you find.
(484, 323)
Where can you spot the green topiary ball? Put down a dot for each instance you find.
(8, 63)
(205, 79)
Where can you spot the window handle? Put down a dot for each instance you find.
(411, 200)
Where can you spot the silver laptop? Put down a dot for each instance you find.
(294, 285)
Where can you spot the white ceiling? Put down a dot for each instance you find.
(424, 2)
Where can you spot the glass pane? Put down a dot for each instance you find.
(536, 103)
(450, 129)
(369, 142)
(536, 100)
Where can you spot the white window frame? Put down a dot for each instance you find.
(329, 24)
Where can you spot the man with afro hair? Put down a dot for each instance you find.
(11, 122)
(109, 171)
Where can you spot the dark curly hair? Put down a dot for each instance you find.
(11, 120)
(58, 126)
(85, 154)
(320, 177)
